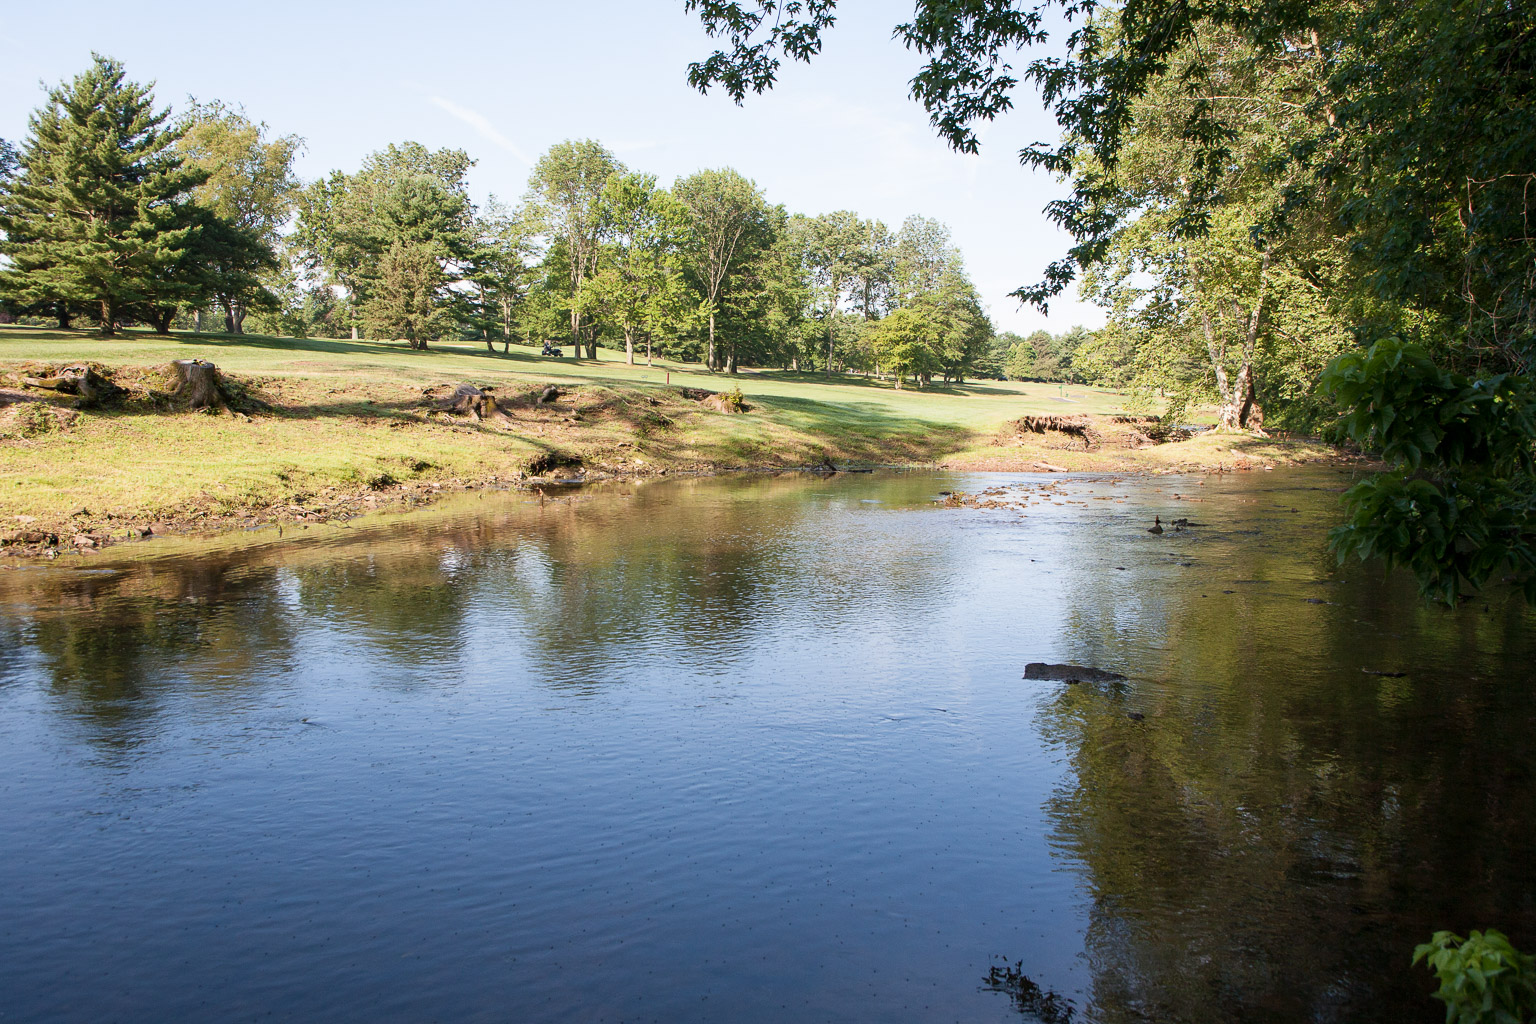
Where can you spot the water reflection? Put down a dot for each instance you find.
(1282, 827)
(759, 743)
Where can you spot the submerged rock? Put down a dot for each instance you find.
(1070, 673)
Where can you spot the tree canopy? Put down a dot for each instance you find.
(1378, 155)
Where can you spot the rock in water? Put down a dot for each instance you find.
(1070, 673)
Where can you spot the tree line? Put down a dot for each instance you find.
(116, 212)
(1317, 211)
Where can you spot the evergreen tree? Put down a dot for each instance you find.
(409, 298)
(98, 216)
(404, 195)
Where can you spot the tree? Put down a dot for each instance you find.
(1020, 364)
(1206, 316)
(640, 280)
(250, 184)
(100, 210)
(1422, 137)
(409, 298)
(564, 200)
(923, 254)
(728, 223)
(761, 313)
(498, 273)
(406, 196)
(909, 341)
(873, 270)
(830, 245)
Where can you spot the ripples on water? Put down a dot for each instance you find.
(758, 749)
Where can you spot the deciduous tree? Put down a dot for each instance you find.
(564, 200)
(250, 184)
(728, 223)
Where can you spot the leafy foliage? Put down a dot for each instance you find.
(250, 185)
(1378, 157)
(1459, 506)
(407, 299)
(1483, 979)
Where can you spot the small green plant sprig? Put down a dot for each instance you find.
(1483, 979)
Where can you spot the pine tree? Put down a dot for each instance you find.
(410, 297)
(99, 216)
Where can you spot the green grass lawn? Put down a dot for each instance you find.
(976, 405)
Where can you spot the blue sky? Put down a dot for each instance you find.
(505, 81)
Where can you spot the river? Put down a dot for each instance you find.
(759, 749)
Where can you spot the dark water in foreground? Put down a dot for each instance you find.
(758, 749)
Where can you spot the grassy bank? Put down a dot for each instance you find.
(329, 428)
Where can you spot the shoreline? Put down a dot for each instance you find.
(91, 533)
(327, 442)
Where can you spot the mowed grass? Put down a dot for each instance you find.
(976, 404)
(347, 417)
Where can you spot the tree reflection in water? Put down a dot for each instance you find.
(1278, 833)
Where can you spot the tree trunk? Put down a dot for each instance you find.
(197, 320)
(160, 319)
(199, 387)
(62, 312)
(354, 332)
(107, 326)
(468, 399)
(629, 346)
(647, 348)
(1251, 415)
(234, 314)
(576, 334)
(709, 360)
(1217, 351)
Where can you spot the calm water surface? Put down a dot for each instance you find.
(759, 749)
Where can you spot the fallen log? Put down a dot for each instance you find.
(89, 387)
(1070, 673)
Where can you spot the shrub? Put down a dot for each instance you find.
(1483, 979)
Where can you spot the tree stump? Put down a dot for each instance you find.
(468, 399)
(198, 385)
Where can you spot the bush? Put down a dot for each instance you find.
(1483, 979)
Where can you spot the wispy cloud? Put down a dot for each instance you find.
(481, 124)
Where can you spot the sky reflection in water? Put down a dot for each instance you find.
(758, 749)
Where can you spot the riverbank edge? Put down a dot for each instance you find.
(92, 533)
(603, 448)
